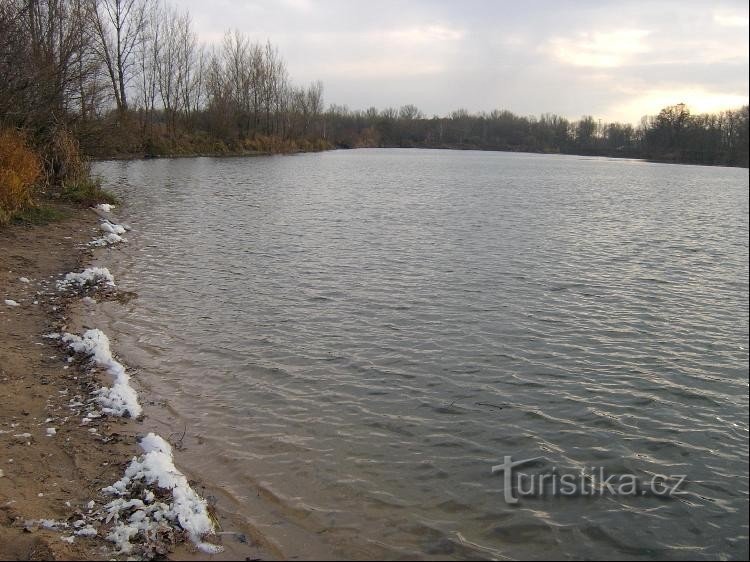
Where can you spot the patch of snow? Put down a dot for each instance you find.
(90, 276)
(87, 531)
(209, 548)
(51, 431)
(46, 523)
(119, 399)
(108, 240)
(11, 302)
(186, 509)
(111, 227)
(24, 280)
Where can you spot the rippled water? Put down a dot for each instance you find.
(354, 338)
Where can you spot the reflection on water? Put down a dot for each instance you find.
(355, 338)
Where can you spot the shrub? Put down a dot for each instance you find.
(87, 191)
(71, 171)
(65, 160)
(20, 169)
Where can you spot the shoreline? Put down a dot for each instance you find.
(47, 477)
(56, 464)
(255, 154)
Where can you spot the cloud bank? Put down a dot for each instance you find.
(614, 60)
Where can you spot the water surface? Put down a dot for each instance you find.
(354, 338)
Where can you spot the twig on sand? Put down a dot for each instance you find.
(490, 405)
(177, 444)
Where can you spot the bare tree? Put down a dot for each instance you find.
(119, 28)
(44, 57)
(147, 56)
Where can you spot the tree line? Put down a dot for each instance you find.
(674, 135)
(131, 77)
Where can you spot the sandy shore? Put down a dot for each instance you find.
(52, 466)
(47, 478)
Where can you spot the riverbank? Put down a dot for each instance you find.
(198, 146)
(618, 154)
(47, 478)
(459, 148)
(61, 437)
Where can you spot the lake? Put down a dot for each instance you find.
(351, 340)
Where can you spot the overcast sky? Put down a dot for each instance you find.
(613, 60)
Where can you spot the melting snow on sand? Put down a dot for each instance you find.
(120, 398)
(107, 240)
(89, 277)
(150, 515)
(138, 512)
(113, 232)
(112, 228)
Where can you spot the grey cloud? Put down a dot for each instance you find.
(482, 55)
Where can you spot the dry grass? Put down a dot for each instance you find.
(71, 171)
(87, 192)
(20, 170)
(64, 159)
(277, 145)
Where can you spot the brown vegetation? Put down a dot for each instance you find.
(130, 78)
(20, 169)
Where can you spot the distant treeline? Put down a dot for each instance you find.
(130, 77)
(674, 135)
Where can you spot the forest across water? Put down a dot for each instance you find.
(130, 78)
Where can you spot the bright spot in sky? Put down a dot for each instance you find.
(598, 49)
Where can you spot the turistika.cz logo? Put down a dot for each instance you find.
(592, 482)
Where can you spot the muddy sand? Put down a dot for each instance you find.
(52, 465)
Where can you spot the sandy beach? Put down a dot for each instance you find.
(54, 463)
(46, 477)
